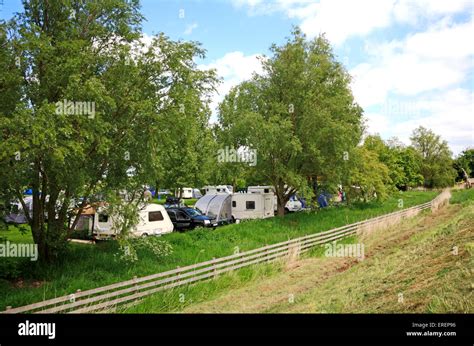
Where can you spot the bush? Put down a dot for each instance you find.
(11, 268)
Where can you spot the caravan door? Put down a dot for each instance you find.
(103, 225)
(268, 206)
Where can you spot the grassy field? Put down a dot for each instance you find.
(411, 268)
(89, 266)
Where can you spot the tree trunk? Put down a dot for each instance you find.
(282, 198)
(281, 209)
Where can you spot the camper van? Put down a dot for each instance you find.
(210, 190)
(253, 205)
(293, 204)
(154, 220)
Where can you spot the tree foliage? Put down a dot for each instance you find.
(464, 164)
(299, 115)
(436, 161)
(90, 53)
(403, 162)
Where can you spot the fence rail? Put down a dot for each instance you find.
(111, 296)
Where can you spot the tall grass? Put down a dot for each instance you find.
(90, 266)
(462, 196)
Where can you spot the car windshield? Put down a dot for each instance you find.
(193, 212)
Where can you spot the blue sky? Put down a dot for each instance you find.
(411, 60)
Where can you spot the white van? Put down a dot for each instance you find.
(253, 205)
(210, 190)
(293, 204)
(154, 220)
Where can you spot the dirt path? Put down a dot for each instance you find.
(404, 269)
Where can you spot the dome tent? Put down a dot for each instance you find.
(216, 206)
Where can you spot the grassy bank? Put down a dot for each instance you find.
(89, 266)
(410, 268)
(462, 196)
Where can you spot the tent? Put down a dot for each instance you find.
(17, 214)
(323, 199)
(217, 206)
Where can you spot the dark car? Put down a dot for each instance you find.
(189, 218)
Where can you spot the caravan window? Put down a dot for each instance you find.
(218, 190)
(250, 205)
(155, 216)
(103, 217)
(266, 190)
(234, 204)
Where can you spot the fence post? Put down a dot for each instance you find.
(215, 270)
(178, 275)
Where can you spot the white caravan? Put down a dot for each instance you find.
(210, 190)
(186, 194)
(253, 205)
(154, 220)
(293, 204)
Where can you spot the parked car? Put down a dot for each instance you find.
(189, 218)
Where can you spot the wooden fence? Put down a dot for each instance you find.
(110, 297)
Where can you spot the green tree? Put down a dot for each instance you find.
(436, 162)
(299, 115)
(410, 162)
(403, 162)
(464, 164)
(368, 178)
(120, 97)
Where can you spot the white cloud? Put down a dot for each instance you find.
(447, 113)
(376, 123)
(233, 68)
(424, 73)
(450, 115)
(342, 19)
(190, 28)
(433, 60)
(409, 11)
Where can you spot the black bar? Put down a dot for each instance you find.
(309, 329)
